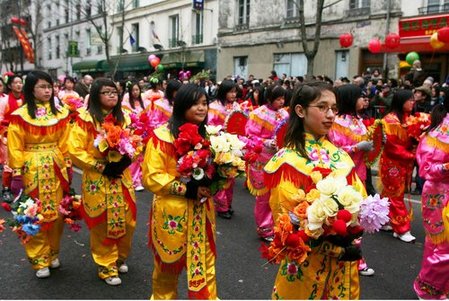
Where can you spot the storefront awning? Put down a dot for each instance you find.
(183, 59)
(418, 44)
(131, 62)
(89, 66)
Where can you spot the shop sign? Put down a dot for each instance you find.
(424, 26)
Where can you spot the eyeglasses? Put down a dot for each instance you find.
(109, 93)
(324, 108)
(43, 87)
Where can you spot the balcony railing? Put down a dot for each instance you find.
(241, 27)
(433, 9)
(197, 39)
(172, 43)
(358, 12)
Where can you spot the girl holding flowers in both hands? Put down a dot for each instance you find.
(182, 218)
(260, 129)
(325, 266)
(350, 133)
(38, 154)
(109, 202)
(432, 155)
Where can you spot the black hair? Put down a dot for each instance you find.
(225, 86)
(11, 78)
(438, 113)
(303, 95)
(129, 88)
(28, 91)
(261, 100)
(186, 97)
(95, 108)
(69, 78)
(397, 103)
(347, 96)
(273, 92)
(173, 86)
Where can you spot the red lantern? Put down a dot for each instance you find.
(392, 40)
(346, 40)
(15, 20)
(443, 34)
(22, 22)
(374, 45)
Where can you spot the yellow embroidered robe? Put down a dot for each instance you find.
(321, 275)
(103, 198)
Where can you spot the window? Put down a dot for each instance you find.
(88, 8)
(120, 5)
(88, 39)
(135, 35)
(197, 37)
(49, 50)
(100, 7)
(58, 49)
(135, 3)
(78, 10)
(292, 64)
(119, 35)
(241, 66)
(174, 31)
(353, 4)
(66, 16)
(292, 9)
(243, 16)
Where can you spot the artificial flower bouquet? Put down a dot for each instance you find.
(114, 142)
(329, 210)
(72, 103)
(26, 220)
(140, 123)
(69, 208)
(416, 124)
(227, 154)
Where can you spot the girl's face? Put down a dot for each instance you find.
(69, 85)
(361, 104)
(16, 85)
(135, 91)
(108, 97)
(56, 88)
(408, 105)
(198, 112)
(319, 115)
(278, 103)
(42, 90)
(231, 95)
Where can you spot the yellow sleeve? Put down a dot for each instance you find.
(63, 145)
(16, 146)
(78, 150)
(281, 199)
(159, 173)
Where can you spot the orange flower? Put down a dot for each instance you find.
(113, 133)
(299, 253)
(301, 210)
(285, 227)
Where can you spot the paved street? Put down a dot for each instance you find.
(241, 273)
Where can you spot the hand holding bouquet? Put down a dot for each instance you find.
(417, 124)
(69, 209)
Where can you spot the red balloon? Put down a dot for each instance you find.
(155, 62)
(346, 40)
(392, 40)
(443, 34)
(374, 45)
(15, 20)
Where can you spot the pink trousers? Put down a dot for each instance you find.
(263, 216)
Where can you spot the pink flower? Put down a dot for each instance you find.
(173, 224)
(292, 269)
(40, 112)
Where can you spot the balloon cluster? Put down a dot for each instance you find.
(155, 62)
(184, 75)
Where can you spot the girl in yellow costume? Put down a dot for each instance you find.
(109, 207)
(330, 270)
(37, 148)
(182, 228)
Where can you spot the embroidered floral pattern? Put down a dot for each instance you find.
(173, 224)
(196, 267)
(291, 270)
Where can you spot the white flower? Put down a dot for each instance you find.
(347, 196)
(330, 207)
(315, 215)
(329, 185)
(213, 130)
(219, 144)
(198, 174)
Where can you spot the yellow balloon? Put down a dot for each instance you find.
(434, 42)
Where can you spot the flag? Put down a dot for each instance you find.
(132, 41)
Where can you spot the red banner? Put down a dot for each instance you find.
(422, 26)
(26, 45)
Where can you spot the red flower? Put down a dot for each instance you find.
(6, 206)
(368, 122)
(339, 227)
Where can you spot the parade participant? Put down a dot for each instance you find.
(224, 104)
(182, 227)
(163, 107)
(153, 94)
(260, 128)
(330, 269)
(38, 155)
(8, 104)
(68, 88)
(432, 155)
(350, 134)
(132, 99)
(109, 207)
(396, 163)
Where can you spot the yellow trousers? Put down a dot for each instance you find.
(107, 256)
(165, 283)
(42, 248)
(321, 276)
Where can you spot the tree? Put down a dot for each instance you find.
(34, 19)
(311, 53)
